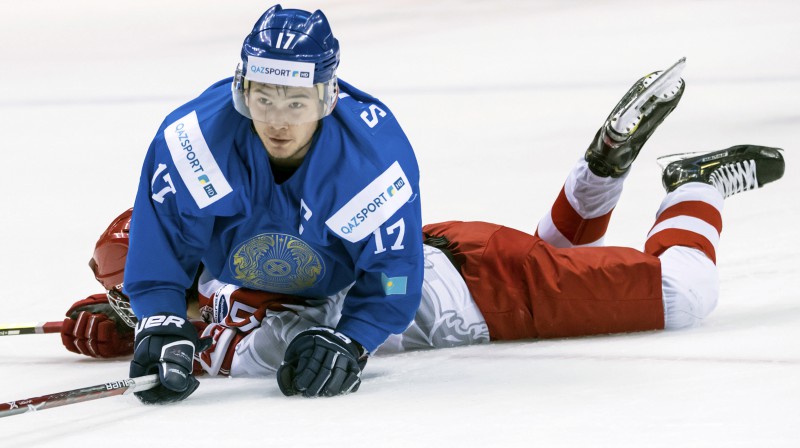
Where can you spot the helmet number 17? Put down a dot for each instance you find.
(289, 38)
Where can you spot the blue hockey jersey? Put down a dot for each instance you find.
(349, 215)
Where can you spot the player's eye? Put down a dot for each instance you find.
(296, 105)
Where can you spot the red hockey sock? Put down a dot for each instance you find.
(690, 216)
(582, 210)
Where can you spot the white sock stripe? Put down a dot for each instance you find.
(592, 196)
(690, 224)
(549, 233)
(693, 191)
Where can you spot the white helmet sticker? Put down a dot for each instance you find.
(284, 73)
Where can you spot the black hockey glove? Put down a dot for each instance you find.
(321, 362)
(165, 344)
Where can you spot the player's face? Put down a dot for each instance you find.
(285, 119)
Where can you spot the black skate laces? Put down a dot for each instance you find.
(736, 177)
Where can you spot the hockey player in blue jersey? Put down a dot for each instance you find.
(282, 179)
(484, 281)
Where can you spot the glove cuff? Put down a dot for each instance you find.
(354, 347)
(94, 303)
(166, 324)
(345, 341)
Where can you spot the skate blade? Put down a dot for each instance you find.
(663, 85)
(663, 161)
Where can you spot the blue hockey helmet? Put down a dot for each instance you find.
(288, 52)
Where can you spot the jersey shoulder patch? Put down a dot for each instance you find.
(194, 161)
(372, 206)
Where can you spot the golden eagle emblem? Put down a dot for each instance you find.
(276, 262)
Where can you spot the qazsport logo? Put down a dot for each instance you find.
(372, 206)
(284, 73)
(195, 162)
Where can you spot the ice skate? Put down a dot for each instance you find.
(731, 171)
(633, 120)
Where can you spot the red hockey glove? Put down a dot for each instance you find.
(92, 328)
(217, 359)
(244, 308)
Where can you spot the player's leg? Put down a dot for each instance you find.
(526, 288)
(688, 224)
(447, 315)
(582, 210)
(674, 284)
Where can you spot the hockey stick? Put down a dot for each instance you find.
(37, 328)
(122, 387)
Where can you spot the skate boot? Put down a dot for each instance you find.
(633, 120)
(733, 170)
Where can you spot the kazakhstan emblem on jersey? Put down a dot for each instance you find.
(276, 262)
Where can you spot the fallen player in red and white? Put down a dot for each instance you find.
(486, 282)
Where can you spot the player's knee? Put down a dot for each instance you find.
(260, 353)
(690, 286)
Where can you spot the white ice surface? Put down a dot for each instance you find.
(499, 99)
